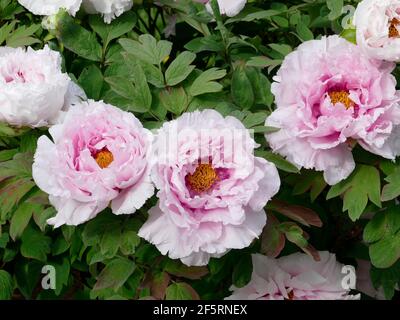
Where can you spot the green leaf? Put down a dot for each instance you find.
(174, 100)
(241, 89)
(11, 193)
(6, 155)
(6, 285)
(41, 217)
(180, 291)
(382, 224)
(129, 238)
(94, 229)
(350, 35)
(276, 159)
(4, 238)
(110, 242)
(59, 246)
(388, 279)
(77, 39)
(147, 49)
(27, 275)
(21, 218)
(294, 234)
(205, 83)
(210, 43)
(180, 270)
(335, 7)
(34, 244)
(23, 36)
(242, 271)
(118, 27)
(261, 87)
(62, 268)
(283, 49)
(91, 81)
(9, 131)
(392, 189)
(135, 90)
(304, 32)
(180, 68)
(362, 185)
(383, 232)
(153, 75)
(258, 15)
(115, 274)
(385, 252)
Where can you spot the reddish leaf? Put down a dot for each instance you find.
(297, 213)
(180, 270)
(272, 240)
(159, 285)
(312, 252)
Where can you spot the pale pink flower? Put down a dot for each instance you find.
(99, 154)
(108, 8)
(33, 89)
(212, 189)
(378, 28)
(229, 8)
(295, 277)
(328, 95)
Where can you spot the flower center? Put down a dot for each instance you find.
(104, 158)
(393, 32)
(290, 295)
(341, 97)
(203, 178)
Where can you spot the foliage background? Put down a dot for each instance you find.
(146, 64)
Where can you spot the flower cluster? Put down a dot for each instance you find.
(213, 189)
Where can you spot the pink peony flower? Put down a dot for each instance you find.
(212, 188)
(378, 28)
(99, 154)
(321, 108)
(294, 277)
(33, 89)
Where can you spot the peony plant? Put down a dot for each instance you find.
(193, 149)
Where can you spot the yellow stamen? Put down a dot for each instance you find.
(393, 32)
(341, 97)
(203, 178)
(104, 158)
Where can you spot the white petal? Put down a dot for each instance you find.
(50, 7)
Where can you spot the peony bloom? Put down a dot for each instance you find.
(33, 89)
(212, 188)
(230, 8)
(51, 7)
(378, 28)
(108, 8)
(295, 277)
(321, 111)
(99, 154)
